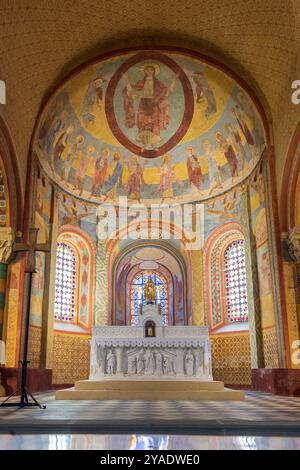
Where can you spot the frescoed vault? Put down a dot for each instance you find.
(150, 125)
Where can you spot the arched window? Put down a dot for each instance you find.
(224, 258)
(236, 281)
(137, 297)
(65, 283)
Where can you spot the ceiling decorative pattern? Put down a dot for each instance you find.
(151, 125)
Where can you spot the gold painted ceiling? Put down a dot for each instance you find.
(42, 41)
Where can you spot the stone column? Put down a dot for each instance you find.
(101, 286)
(49, 292)
(257, 359)
(273, 225)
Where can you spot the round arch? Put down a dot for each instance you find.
(165, 247)
(84, 248)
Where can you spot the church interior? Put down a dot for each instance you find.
(150, 223)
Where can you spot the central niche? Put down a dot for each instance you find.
(151, 125)
(161, 266)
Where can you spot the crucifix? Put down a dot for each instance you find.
(30, 248)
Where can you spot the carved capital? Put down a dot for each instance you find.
(7, 237)
(293, 241)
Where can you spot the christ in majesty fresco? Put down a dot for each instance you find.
(152, 116)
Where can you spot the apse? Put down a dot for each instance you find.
(165, 266)
(150, 125)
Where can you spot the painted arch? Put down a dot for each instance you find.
(150, 124)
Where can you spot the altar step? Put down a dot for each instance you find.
(147, 390)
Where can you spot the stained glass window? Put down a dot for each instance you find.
(137, 297)
(235, 282)
(65, 283)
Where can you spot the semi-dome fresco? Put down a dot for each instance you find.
(152, 125)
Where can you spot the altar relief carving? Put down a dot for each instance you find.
(127, 353)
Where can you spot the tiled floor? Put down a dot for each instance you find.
(145, 442)
(260, 414)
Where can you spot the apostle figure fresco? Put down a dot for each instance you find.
(167, 178)
(229, 153)
(85, 158)
(204, 92)
(73, 152)
(214, 169)
(92, 99)
(101, 166)
(135, 178)
(115, 176)
(194, 168)
(61, 144)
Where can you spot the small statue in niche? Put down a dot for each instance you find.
(149, 291)
(150, 329)
(189, 363)
(110, 363)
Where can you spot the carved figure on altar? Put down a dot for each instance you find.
(189, 363)
(168, 365)
(141, 363)
(110, 363)
(125, 353)
(149, 291)
(159, 364)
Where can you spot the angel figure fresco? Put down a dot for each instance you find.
(229, 153)
(114, 181)
(243, 126)
(194, 168)
(101, 166)
(92, 99)
(53, 123)
(135, 178)
(152, 95)
(243, 103)
(72, 216)
(82, 167)
(73, 153)
(204, 92)
(214, 169)
(166, 178)
(61, 145)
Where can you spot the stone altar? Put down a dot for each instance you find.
(150, 362)
(150, 351)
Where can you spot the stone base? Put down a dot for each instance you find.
(284, 382)
(38, 380)
(149, 390)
